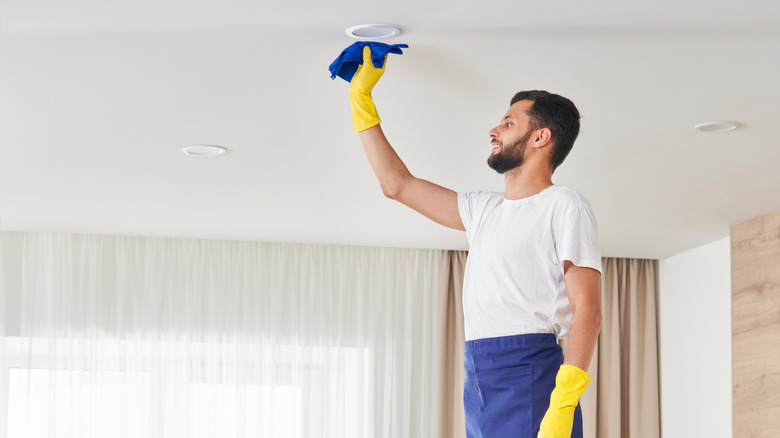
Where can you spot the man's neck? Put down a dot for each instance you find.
(520, 183)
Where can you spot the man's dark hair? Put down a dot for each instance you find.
(556, 113)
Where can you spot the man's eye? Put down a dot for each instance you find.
(507, 124)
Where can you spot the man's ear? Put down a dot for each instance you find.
(543, 138)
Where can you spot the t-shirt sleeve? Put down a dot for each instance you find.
(472, 207)
(577, 237)
(466, 209)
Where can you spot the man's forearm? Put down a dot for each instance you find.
(583, 336)
(388, 167)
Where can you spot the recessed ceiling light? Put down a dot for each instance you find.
(716, 126)
(373, 31)
(204, 150)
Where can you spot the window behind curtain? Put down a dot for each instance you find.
(159, 337)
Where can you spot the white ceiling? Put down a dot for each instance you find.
(97, 99)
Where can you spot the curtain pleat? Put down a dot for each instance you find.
(625, 366)
(155, 337)
(451, 417)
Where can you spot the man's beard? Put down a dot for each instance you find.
(509, 156)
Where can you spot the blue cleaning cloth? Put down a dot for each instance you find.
(347, 63)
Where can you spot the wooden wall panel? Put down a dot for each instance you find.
(755, 319)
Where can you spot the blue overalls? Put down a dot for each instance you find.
(508, 384)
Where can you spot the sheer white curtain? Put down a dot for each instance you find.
(153, 337)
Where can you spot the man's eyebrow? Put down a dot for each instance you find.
(508, 117)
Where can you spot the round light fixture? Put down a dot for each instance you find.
(373, 31)
(716, 126)
(204, 150)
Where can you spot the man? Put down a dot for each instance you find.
(533, 271)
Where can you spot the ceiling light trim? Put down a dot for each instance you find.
(719, 126)
(372, 32)
(204, 150)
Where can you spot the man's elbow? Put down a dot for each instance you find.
(588, 317)
(594, 318)
(391, 191)
(394, 188)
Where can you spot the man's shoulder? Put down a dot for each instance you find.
(567, 195)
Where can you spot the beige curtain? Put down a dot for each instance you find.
(622, 399)
(625, 366)
(452, 420)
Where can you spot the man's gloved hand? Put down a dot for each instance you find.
(570, 383)
(364, 114)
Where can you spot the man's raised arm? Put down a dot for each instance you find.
(433, 201)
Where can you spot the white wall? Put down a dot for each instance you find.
(695, 342)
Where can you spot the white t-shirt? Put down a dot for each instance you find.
(514, 273)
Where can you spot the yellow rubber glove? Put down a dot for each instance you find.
(570, 383)
(364, 113)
